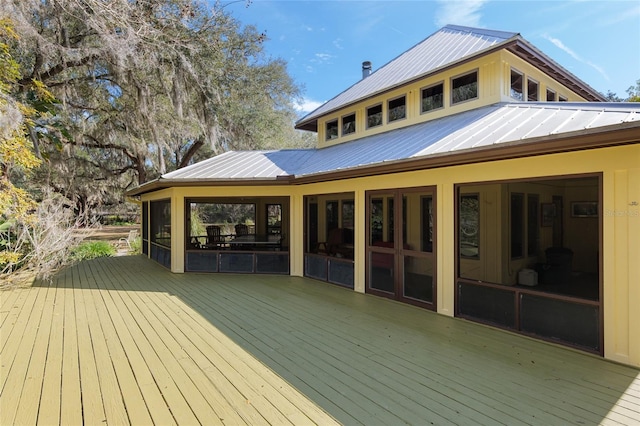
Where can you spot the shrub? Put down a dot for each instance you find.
(136, 245)
(92, 250)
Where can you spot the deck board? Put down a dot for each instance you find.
(124, 341)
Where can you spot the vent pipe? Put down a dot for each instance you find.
(366, 69)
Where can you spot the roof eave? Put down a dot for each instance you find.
(530, 53)
(627, 133)
(158, 184)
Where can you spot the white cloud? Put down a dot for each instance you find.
(322, 58)
(338, 43)
(459, 12)
(308, 105)
(560, 45)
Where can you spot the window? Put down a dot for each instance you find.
(332, 216)
(426, 214)
(464, 88)
(348, 124)
(432, 97)
(532, 90)
(274, 219)
(332, 129)
(562, 98)
(517, 225)
(533, 230)
(469, 225)
(551, 95)
(397, 109)
(160, 222)
(516, 85)
(374, 116)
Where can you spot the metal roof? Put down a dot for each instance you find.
(491, 126)
(239, 165)
(448, 45)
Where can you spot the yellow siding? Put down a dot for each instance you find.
(621, 223)
(493, 86)
(510, 60)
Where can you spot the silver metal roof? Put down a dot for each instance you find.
(494, 125)
(448, 45)
(256, 165)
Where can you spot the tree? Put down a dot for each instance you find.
(633, 93)
(145, 87)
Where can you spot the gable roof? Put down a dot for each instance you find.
(448, 47)
(493, 132)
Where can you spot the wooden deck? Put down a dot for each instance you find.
(123, 341)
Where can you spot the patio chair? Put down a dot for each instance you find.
(214, 238)
(133, 234)
(242, 229)
(334, 243)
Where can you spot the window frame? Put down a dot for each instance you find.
(531, 81)
(475, 72)
(553, 92)
(342, 122)
(326, 129)
(391, 109)
(562, 98)
(511, 84)
(368, 116)
(422, 97)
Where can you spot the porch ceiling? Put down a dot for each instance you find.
(124, 341)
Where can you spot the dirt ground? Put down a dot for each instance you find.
(108, 233)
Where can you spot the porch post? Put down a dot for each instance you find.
(177, 232)
(360, 240)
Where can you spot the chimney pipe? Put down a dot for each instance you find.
(366, 69)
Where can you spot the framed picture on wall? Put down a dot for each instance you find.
(584, 209)
(547, 214)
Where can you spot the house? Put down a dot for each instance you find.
(472, 175)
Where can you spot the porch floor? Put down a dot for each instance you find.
(124, 341)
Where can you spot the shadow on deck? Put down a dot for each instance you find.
(360, 358)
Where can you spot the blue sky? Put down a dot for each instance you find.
(325, 42)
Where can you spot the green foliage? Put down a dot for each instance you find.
(136, 245)
(91, 250)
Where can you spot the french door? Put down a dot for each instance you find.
(401, 245)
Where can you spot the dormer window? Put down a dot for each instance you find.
(551, 95)
(374, 116)
(332, 129)
(516, 85)
(464, 88)
(397, 109)
(348, 124)
(432, 97)
(532, 90)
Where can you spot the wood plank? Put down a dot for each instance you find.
(300, 368)
(153, 403)
(225, 361)
(93, 411)
(18, 354)
(10, 301)
(27, 412)
(120, 393)
(70, 392)
(176, 348)
(186, 401)
(50, 401)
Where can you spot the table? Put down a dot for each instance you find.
(254, 241)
